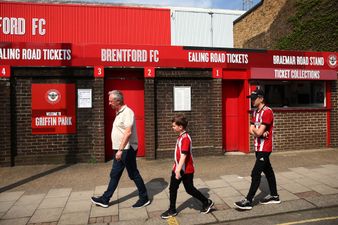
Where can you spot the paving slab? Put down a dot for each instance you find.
(99, 190)
(97, 211)
(46, 215)
(18, 211)
(77, 206)
(132, 214)
(33, 200)
(294, 187)
(231, 199)
(156, 185)
(10, 196)
(77, 218)
(183, 196)
(127, 202)
(156, 221)
(127, 191)
(301, 170)
(285, 195)
(196, 219)
(332, 167)
(5, 206)
(217, 183)
(323, 171)
(216, 199)
(324, 201)
(189, 209)
(244, 191)
(157, 194)
(158, 204)
(199, 182)
(58, 192)
(241, 184)
(332, 181)
(232, 178)
(308, 182)
(16, 221)
(260, 210)
(226, 192)
(151, 221)
(56, 202)
(80, 195)
(291, 175)
(324, 189)
(280, 179)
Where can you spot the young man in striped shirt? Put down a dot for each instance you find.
(261, 128)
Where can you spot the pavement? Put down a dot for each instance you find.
(60, 194)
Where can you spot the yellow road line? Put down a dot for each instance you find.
(172, 221)
(310, 220)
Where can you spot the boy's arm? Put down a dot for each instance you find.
(180, 165)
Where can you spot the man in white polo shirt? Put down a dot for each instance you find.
(124, 143)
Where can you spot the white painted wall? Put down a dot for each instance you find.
(204, 28)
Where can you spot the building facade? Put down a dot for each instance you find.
(58, 63)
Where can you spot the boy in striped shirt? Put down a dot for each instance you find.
(183, 169)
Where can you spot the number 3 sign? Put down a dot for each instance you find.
(5, 71)
(98, 71)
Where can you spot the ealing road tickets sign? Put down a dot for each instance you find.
(53, 109)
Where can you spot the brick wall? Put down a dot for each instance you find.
(265, 24)
(334, 114)
(204, 119)
(5, 122)
(298, 131)
(86, 145)
(149, 118)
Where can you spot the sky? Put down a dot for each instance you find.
(214, 4)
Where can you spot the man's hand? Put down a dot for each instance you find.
(118, 155)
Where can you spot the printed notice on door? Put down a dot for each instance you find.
(84, 98)
(182, 98)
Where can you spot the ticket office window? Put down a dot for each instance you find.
(297, 94)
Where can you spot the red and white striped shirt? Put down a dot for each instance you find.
(263, 116)
(184, 145)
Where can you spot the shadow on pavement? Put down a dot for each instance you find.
(264, 188)
(34, 177)
(154, 187)
(193, 203)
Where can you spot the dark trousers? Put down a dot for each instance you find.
(262, 165)
(128, 160)
(189, 188)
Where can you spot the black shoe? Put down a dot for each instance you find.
(243, 204)
(169, 213)
(141, 203)
(206, 208)
(99, 201)
(270, 200)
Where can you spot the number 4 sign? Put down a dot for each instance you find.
(5, 71)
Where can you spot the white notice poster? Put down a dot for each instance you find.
(182, 98)
(84, 98)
